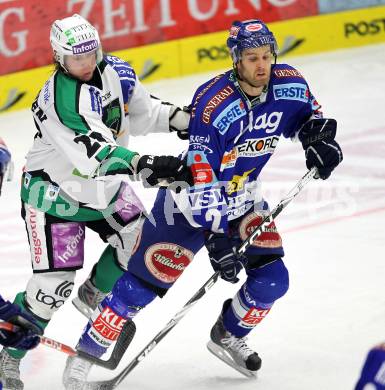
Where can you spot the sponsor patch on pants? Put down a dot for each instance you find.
(107, 327)
(167, 261)
(269, 239)
(68, 244)
(253, 317)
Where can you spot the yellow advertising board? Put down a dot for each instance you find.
(295, 37)
(208, 52)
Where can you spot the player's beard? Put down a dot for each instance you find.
(252, 79)
(256, 81)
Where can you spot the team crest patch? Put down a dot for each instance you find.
(167, 261)
(52, 192)
(268, 239)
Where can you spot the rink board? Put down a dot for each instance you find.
(208, 52)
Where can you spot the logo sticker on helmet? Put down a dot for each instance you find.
(85, 47)
(234, 31)
(254, 27)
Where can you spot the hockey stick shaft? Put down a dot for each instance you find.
(43, 340)
(114, 382)
(277, 210)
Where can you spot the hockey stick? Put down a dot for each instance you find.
(120, 347)
(115, 381)
(43, 340)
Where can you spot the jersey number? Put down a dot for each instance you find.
(91, 147)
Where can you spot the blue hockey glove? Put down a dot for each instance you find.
(26, 337)
(223, 257)
(321, 150)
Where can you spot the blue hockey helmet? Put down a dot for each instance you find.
(249, 34)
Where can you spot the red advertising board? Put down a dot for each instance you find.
(25, 24)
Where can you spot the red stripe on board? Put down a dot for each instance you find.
(332, 220)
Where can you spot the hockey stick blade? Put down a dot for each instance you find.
(122, 343)
(115, 381)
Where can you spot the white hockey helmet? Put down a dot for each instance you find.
(74, 35)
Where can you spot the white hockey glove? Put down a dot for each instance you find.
(179, 121)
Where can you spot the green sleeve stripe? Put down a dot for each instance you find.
(103, 153)
(118, 161)
(67, 93)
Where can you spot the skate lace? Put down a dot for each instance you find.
(238, 345)
(10, 366)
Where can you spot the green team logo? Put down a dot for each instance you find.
(112, 116)
(71, 39)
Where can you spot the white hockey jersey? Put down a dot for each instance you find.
(79, 125)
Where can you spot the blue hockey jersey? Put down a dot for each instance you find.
(232, 137)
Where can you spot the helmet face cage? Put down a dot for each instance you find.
(247, 35)
(74, 36)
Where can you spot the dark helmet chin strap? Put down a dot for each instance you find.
(237, 75)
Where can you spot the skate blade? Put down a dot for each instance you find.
(82, 307)
(226, 358)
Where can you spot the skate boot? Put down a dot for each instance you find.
(88, 298)
(9, 372)
(233, 350)
(75, 373)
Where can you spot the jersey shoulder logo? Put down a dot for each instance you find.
(284, 73)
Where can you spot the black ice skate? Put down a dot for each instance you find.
(233, 350)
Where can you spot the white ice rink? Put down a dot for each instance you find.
(316, 337)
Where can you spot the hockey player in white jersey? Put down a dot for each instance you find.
(78, 170)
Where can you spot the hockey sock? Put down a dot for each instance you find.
(106, 271)
(20, 301)
(244, 314)
(127, 298)
(254, 300)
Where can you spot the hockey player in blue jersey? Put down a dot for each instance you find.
(5, 159)
(373, 372)
(237, 119)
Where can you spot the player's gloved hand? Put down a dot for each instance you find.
(26, 336)
(179, 121)
(223, 257)
(152, 169)
(321, 150)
